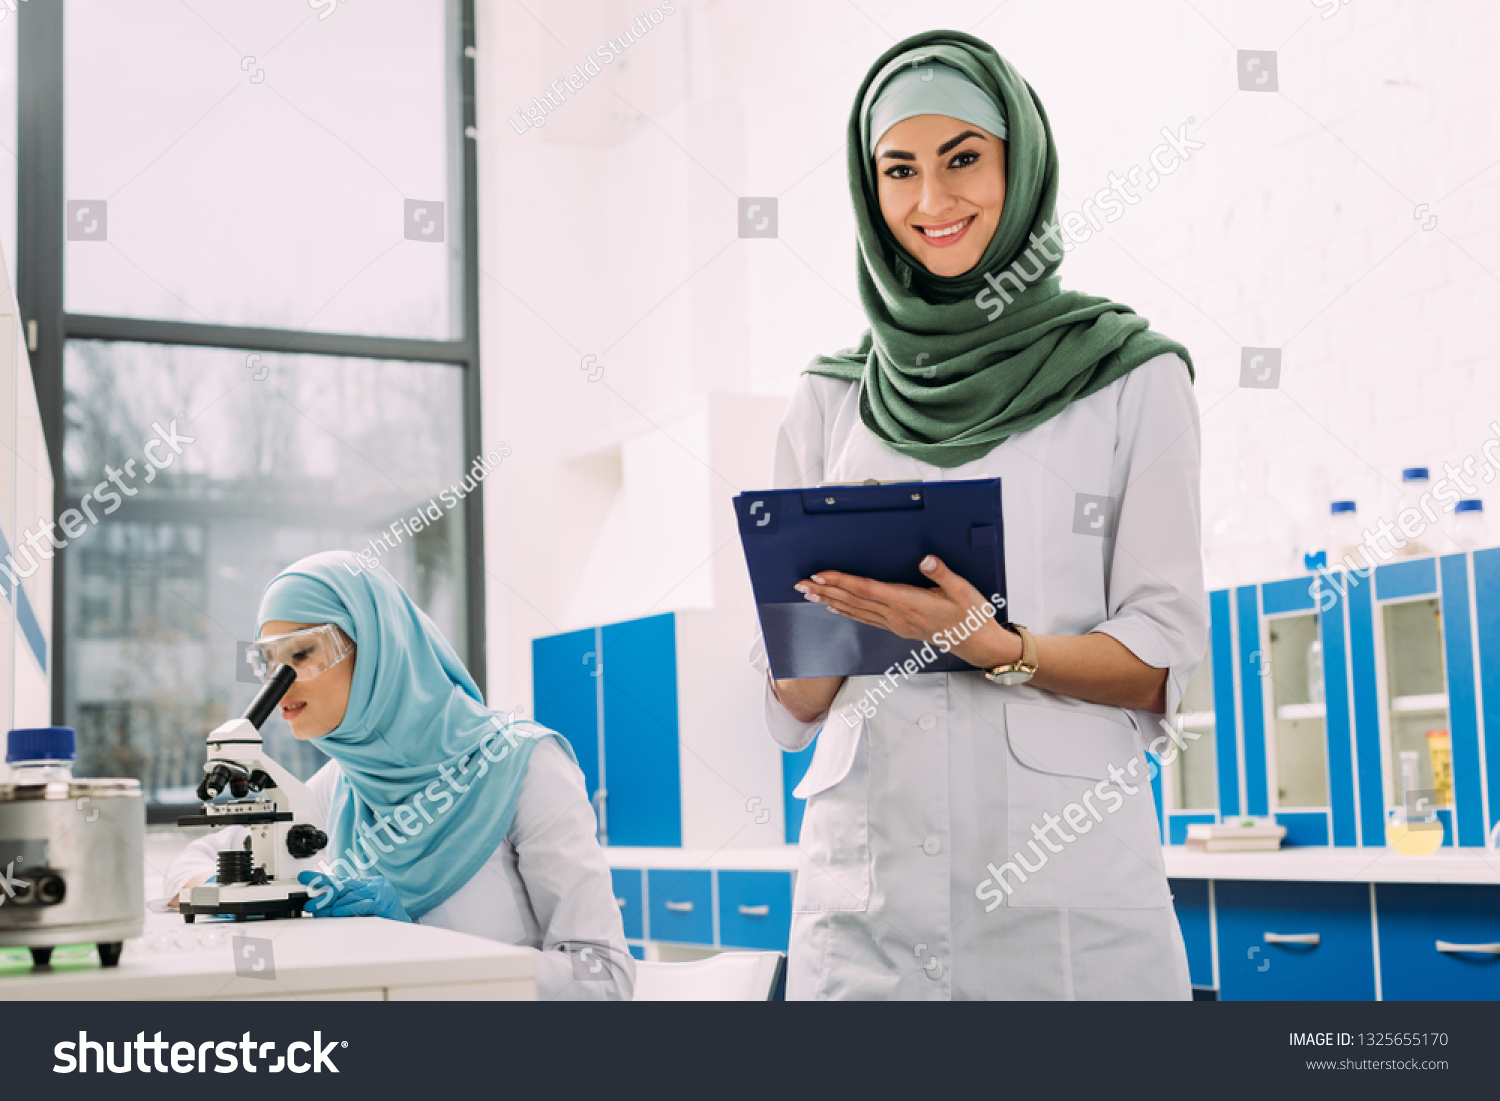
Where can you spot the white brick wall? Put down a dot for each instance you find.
(612, 234)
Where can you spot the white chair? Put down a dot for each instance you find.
(727, 977)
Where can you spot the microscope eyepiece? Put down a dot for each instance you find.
(268, 697)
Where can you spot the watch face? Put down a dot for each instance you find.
(1012, 678)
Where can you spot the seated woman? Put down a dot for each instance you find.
(510, 855)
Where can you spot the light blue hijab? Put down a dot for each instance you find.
(413, 712)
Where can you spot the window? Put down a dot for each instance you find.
(257, 304)
(254, 163)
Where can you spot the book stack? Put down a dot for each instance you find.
(1208, 838)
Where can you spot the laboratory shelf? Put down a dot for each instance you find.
(1431, 702)
(1301, 711)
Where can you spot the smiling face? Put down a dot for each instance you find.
(941, 189)
(314, 707)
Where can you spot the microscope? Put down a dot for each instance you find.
(259, 880)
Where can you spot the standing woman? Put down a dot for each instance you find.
(992, 834)
(431, 817)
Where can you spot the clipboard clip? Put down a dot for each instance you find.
(867, 497)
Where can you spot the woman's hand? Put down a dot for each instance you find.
(916, 613)
(1094, 666)
(372, 895)
(196, 881)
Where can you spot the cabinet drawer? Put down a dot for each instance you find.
(681, 906)
(755, 910)
(1413, 917)
(1190, 900)
(1339, 966)
(627, 884)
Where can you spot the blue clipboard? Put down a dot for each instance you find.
(880, 531)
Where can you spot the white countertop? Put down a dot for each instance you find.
(1337, 865)
(364, 957)
(779, 858)
(1334, 865)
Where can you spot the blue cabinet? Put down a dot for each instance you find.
(612, 692)
(1375, 700)
(682, 906)
(1282, 941)
(1415, 917)
(565, 694)
(755, 909)
(643, 804)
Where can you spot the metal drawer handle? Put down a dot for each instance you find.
(764, 911)
(620, 902)
(1293, 938)
(1485, 949)
(679, 907)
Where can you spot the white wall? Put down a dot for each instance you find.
(611, 231)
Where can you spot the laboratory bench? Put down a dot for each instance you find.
(350, 959)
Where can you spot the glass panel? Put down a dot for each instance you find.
(162, 591)
(1197, 777)
(1297, 704)
(251, 164)
(1418, 705)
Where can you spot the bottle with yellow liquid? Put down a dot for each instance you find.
(1412, 830)
(1440, 756)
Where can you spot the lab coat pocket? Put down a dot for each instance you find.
(1081, 820)
(833, 853)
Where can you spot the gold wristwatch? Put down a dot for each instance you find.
(1023, 668)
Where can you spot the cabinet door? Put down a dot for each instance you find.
(755, 909)
(682, 906)
(565, 694)
(1256, 967)
(643, 804)
(1414, 917)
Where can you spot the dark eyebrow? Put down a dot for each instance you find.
(950, 144)
(954, 142)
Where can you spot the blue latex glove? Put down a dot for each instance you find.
(372, 895)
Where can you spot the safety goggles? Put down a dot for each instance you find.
(311, 651)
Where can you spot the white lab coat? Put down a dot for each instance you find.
(546, 887)
(907, 809)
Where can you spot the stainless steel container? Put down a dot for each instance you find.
(72, 858)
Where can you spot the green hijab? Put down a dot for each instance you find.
(944, 378)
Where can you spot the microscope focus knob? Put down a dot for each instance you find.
(303, 840)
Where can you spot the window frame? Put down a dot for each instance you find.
(40, 252)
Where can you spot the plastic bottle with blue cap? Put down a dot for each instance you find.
(1416, 484)
(1345, 537)
(1470, 525)
(41, 755)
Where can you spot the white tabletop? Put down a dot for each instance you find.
(1337, 865)
(1334, 865)
(364, 957)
